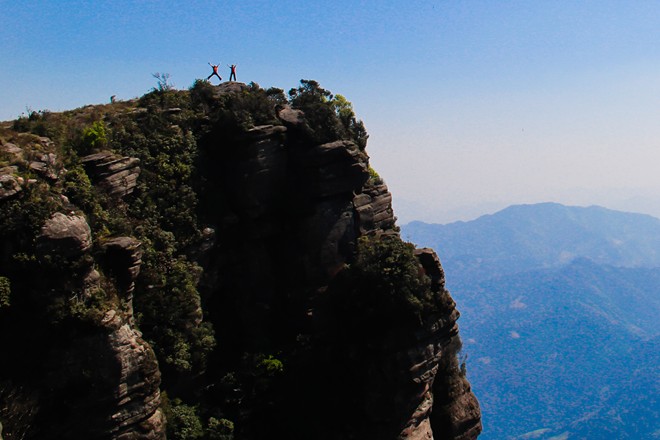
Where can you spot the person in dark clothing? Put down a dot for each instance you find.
(233, 71)
(215, 72)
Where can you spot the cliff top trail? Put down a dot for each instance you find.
(214, 263)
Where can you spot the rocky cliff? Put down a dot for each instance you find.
(75, 366)
(244, 237)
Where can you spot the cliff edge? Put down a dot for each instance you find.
(214, 263)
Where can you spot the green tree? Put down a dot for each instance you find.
(383, 286)
(221, 429)
(183, 422)
(354, 127)
(330, 117)
(171, 316)
(94, 136)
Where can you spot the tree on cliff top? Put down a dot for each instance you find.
(331, 117)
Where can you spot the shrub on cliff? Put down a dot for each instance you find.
(222, 429)
(383, 286)
(36, 122)
(236, 111)
(21, 218)
(94, 136)
(354, 127)
(164, 95)
(169, 312)
(162, 212)
(330, 117)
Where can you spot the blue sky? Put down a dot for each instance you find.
(471, 105)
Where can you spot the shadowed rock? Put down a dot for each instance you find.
(117, 175)
(67, 235)
(122, 259)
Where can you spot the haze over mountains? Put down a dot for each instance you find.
(525, 237)
(559, 313)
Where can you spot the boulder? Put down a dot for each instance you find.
(374, 211)
(229, 87)
(67, 235)
(14, 152)
(335, 168)
(291, 117)
(9, 186)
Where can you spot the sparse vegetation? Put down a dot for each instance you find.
(374, 176)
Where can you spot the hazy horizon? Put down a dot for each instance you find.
(470, 106)
(643, 202)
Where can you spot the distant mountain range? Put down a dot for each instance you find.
(560, 323)
(545, 235)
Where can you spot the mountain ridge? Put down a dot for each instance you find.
(542, 235)
(567, 345)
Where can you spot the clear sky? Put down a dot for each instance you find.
(471, 105)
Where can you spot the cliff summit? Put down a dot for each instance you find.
(216, 263)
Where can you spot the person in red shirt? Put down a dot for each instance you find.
(233, 71)
(215, 72)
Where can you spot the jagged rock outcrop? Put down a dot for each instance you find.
(36, 156)
(330, 200)
(46, 166)
(229, 87)
(100, 354)
(117, 175)
(456, 411)
(374, 210)
(13, 151)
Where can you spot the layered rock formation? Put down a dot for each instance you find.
(81, 369)
(36, 156)
(115, 174)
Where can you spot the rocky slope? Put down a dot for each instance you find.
(253, 237)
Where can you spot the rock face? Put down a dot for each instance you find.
(299, 210)
(117, 175)
(92, 378)
(123, 257)
(456, 411)
(67, 235)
